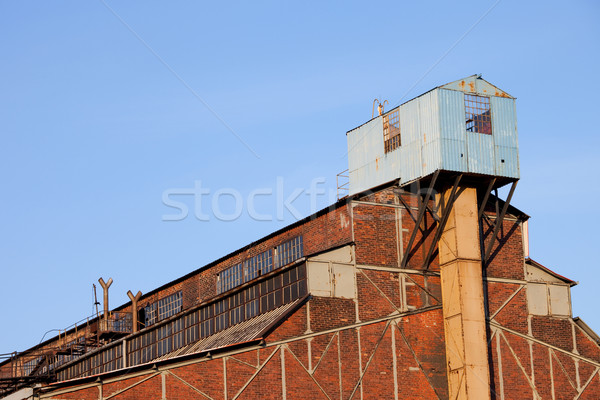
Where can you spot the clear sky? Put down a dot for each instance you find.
(103, 112)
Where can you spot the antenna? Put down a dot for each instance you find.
(96, 302)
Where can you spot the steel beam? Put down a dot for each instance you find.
(498, 223)
(422, 208)
(442, 223)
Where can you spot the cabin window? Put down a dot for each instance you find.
(391, 130)
(478, 114)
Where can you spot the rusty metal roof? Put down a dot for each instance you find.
(247, 331)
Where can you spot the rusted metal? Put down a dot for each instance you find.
(342, 181)
(485, 198)
(422, 208)
(447, 209)
(498, 223)
(380, 107)
(463, 300)
(391, 130)
(105, 286)
(134, 309)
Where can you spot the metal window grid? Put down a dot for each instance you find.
(478, 114)
(258, 265)
(289, 251)
(391, 130)
(208, 320)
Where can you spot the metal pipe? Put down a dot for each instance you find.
(105, 286)
(134, 313)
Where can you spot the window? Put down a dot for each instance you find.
(478, 114)
(289, 251)
(391, 130)
(258, 265)
(235, 308)
(229, 278)
(164, 308)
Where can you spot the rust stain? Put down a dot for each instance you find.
(461, 84)
(472, 86)
(377, 164)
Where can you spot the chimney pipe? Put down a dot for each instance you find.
(134, 300)
(105, 286)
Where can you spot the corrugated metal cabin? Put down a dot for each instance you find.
(466, 126)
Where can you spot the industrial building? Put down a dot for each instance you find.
(417, 283)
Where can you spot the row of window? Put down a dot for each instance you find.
(163, 308)
(107, 360)
(260, 264)
(231, 310)
(478, 119)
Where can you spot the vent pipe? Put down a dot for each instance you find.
(134, 313)
(105, 286)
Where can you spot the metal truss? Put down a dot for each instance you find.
(497, 222)
(440, 214)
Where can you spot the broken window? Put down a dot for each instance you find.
(391, 130)
(478, 114)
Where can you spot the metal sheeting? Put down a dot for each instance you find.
(504, 122)
(365, 149)
(475, 84)
(429, 118)
(246, 331)
(410, 151)
(434, 136)
(452, 127)
(507, 161)
(480, 153)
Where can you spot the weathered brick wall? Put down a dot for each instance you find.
(546, 356)
(333, 348)
(371, 361)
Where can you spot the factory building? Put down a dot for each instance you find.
(417, 283)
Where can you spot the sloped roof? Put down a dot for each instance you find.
(250, 330)
(476, 84)
(536, 264)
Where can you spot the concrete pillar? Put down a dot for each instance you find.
(462, 298)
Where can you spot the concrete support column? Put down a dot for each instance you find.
(462, 298)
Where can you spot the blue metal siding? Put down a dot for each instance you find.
(504, 127)
(429, 134)
(480, 148)
(453, 130)
(507, 161)
(434, 136)
(452, 114)
(410, 162)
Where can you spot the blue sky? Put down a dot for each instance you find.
(95, 128)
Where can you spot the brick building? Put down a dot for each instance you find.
(417, 284)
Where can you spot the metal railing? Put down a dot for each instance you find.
(121, 322)
(343, 184)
